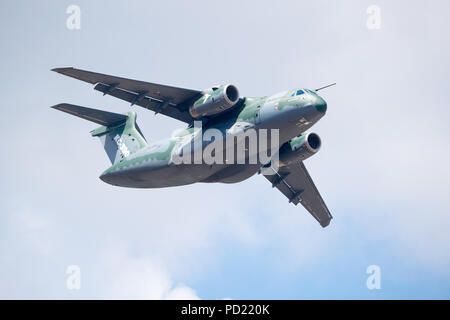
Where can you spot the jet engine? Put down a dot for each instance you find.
(214, 101)
(299, 148)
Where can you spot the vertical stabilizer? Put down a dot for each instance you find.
(119, 133)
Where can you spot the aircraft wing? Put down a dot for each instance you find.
(296, 184)
(170, 101)
(103, 118)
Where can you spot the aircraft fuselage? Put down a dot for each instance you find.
(154, 166)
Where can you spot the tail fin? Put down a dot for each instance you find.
(119, 133)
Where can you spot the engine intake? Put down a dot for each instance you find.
(300, 148)
(215, 101)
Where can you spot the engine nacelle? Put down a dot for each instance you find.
(299, 148)
(215, 101)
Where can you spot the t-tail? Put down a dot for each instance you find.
(119, 133)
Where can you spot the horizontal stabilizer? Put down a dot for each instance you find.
(101, 117)
(118, 133)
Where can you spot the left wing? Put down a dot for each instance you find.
(296, 184)
(103, 118)
(170, 101)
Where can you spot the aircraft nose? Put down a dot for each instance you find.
(320, 104)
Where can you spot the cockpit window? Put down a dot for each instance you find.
(299, 92)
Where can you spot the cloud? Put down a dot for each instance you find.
(128, 277)
(383, 169)
(34, 267)
(181, 292)
(31, 230)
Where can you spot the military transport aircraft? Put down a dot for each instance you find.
(139, 164)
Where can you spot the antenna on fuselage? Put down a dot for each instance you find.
(325, 86)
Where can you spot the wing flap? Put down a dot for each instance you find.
(296, 184)
(155, 105)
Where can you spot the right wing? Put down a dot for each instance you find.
(170, 101)
(296, 184)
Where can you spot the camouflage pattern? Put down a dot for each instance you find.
(151, 166)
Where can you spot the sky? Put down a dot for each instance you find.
(383, 169)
